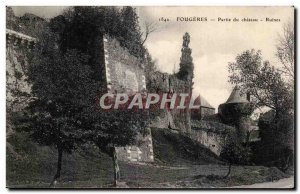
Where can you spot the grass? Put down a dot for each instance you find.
(37, 165)
(180, 162)
(195, 176)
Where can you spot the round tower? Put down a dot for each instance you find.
(236, 111)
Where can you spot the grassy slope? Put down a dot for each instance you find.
(179, 163)
(176, 149)
(37, 165)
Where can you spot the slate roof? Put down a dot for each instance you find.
(236, 96)
(202, 101)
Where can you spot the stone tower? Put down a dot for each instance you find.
(186, 70)
(236, 111)
(186, 74)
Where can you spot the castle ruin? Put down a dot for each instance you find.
(122, 72)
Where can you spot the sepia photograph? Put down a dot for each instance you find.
(150, 97)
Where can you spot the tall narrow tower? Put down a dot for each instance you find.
(186, 70)
(186, 74)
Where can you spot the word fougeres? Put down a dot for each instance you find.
(147, 101)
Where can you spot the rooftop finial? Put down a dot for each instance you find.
(186, 40)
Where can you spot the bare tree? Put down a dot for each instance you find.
(285, 50)
(149, 27)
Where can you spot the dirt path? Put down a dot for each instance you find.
(287, 183)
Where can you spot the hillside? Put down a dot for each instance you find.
(33, 164)
(179, 162)
(170, 147)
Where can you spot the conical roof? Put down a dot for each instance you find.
(236, 96)
(202, 101)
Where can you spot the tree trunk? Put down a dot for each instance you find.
(59, 159)
(229, 170)
(116, 167)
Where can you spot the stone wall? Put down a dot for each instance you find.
(209, 139)
(142, 152)
(124, 73)
(204, 112)
(210, 134)
(18, 47)
(19, 44)
(175, 119)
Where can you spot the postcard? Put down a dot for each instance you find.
(150, 97)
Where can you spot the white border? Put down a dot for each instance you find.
(105, 2)
(156, 2)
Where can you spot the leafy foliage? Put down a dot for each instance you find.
(268, 88)
(62, 87)
(117, 127)
(261, 80)
(65, 84)
(235, 152)
(277, 139)
(80, 28)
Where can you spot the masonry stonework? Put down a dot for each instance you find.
(211, 134)
(18, 46)
(124, 73)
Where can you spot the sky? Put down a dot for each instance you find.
(214, 43)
